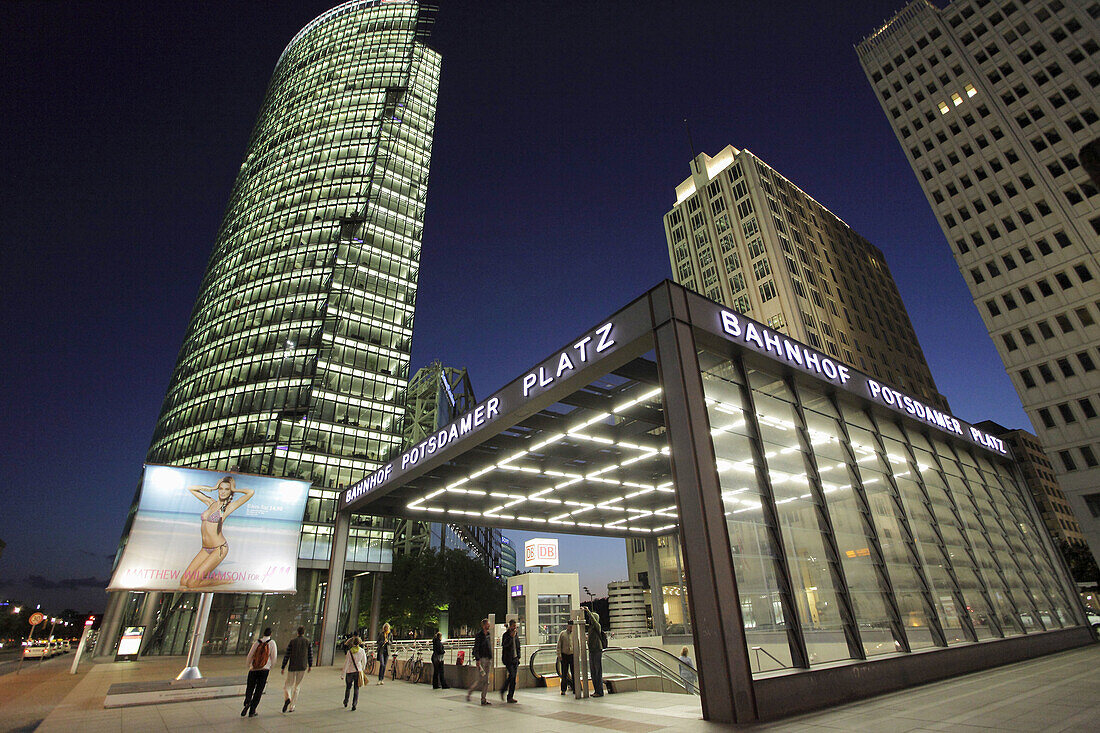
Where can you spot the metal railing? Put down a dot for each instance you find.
(649, 668)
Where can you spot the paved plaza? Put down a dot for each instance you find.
(1056, 693)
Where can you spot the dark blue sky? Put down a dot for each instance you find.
(559, 141)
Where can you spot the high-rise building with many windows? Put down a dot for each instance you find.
(993, 102)
(296, 358)
(743, 235)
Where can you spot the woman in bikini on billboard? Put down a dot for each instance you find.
(220, 503)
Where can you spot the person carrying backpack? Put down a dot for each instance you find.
(259, 660)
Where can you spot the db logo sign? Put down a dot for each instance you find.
(540, 553)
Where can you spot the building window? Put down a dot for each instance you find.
(1047, 419)
(1067, 460)
(1086, 407)
(1092, 502)
(767, 291)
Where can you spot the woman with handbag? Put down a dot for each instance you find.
(384, 647)
(355, 661)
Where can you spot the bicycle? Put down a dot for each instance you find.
(416, 666)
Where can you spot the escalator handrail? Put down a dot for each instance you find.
(543, 648)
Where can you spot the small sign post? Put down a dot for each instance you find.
(35, 619)
(83, 643)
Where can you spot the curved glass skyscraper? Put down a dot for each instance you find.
(296, 357)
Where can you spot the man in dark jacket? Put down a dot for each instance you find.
(509, 654)
(483, 657)
(595, 653)
(299, 657)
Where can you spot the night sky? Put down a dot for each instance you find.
(559, 140)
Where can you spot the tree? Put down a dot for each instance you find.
(419, 585)
(1082, 565)
(601, 607)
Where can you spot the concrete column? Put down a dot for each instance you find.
(112, 620)
(331, 617)
(352, 626)
(148, 614)
(375, 604)
(725, 674)
(680, 582)
(656, 586)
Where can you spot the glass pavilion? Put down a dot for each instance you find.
(830, 524)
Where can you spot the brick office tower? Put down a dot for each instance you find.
(743, 235)
(296, 358)
(993, 102)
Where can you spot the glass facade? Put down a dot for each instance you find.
(856, 534)
(296, 358)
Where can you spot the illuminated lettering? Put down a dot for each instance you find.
(581, 346)
(752, 335)
(730, 324)
(770, 340)
(605, 341)
(528, 382)
(813, 360)
(563, 363)
(792, 351)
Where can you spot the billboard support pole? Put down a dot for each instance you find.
(198, 633)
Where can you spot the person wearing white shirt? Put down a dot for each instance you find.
(355, 662)
(260, 657)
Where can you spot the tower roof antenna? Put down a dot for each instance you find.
(687, 129)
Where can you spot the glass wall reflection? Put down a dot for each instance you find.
(857, 534)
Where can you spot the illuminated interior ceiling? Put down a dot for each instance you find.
(596, 462)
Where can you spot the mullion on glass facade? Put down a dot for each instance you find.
(899, 543)
(993, 534)
(795, 637)
(934, 624)
(1026, 609)
(870, 533)
(965, 623)
(836, 569)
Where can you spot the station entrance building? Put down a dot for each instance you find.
(840, 538)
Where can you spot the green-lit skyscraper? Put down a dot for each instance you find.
(296, 357)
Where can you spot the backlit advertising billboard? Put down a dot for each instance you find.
(213, 532)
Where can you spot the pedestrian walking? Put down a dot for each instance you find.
(299, 658)
(438, 680)
(355, 665)
(385, 645)
(483, 655)
(259, 660)
(565, 658)
(510, 655)
(595, 653)
(687, 671)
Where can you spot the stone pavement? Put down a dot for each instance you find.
(1056, 693)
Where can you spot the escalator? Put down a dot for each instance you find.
(625, 669)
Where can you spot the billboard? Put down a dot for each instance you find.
(540, 553)
(213, 532)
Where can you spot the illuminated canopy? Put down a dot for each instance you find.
(578, 443)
